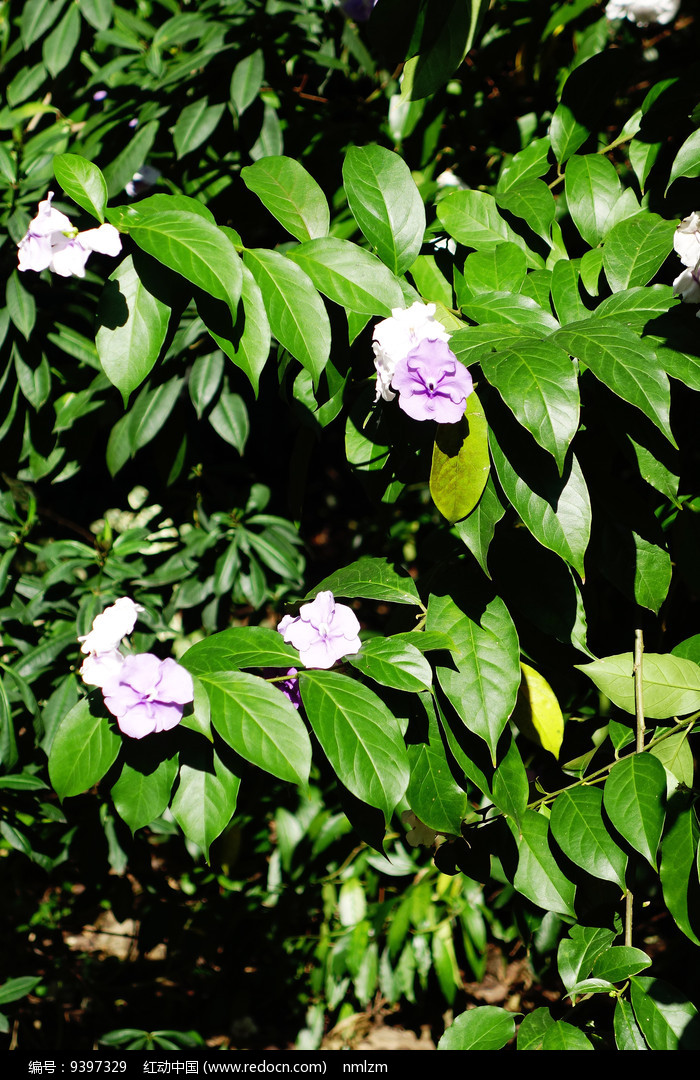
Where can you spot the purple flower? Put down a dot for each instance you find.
(323, 631)
(290, 687)
(99, 95)
(148, 694)
(432, 383)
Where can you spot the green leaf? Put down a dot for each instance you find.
(635, 249)
(393, 663)
(142, 792)
(636, 307)
(687, 161)
(500, 269)
(667, 1019)
(37, 17)
(14, 989)
(510, 787)
(485, 1028)
(671, 683)
(619, 963)
(566, 133)
(385, 203)
(577, 954)
(240, 647)
(82, 181)
(527, 164)
(537, 381)
(291, 195)
(21, 305)
(578, 827)
(84, 747)
(229, 418)
(533, 202)
(132, 324)
(563, 1036)
(247, 341)
(174, 231)
(372, 579)
(566, 295)
(246, 81)
(59, 46)
(359, 736)
(205, 800)
(678, 873)
(483, 685)
(195, 124)
(295, 311)
(97, 12)
(592, 188)
(428, 279)
(634, 798)
(259, 723)
(472, 218)
(675, 755)
(434, 796)
(623, 362)
(441, 48)
(477, 530)
(627, 1033)
(460, 466)
(532, 1029)
(564, 530)
(350, 276)
(504, 307)
(120, 171)
(538, 876)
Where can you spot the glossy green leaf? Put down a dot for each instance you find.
(246, 80)
(472, 218)
(528, 164)
(499, 269)
(564, 530)
(21, 305)
(503, 307)
(578, 827)
(295, 311)
(97, 12)
(84, 747)
(687, 161)
(671, 683)
(350, 276)
(678, 873)
(566, 133)
(185, 241)
(428, 279)
(667, 1019)
(291, 195)
(563, 1036)
(625, 363)
(37, 18)
(59, 46)
(538, 383)
(83, 182)
(132, 324)
(578, 952)
(538, 876)
(532, 201)
(483, 685)
(229, 418)
(205, 800)
(485, 1028)
(129, 160)
(460, 466)
(391, 663)
(142, 792)
(433, 795)
(675, 755)
(635, 307)
(247, 341)
(620, 963)
(373, 579)
(634, 798)
(205, 380)
(592, 188)
(359, 736)
(627, 1033)
(477, 530)
(195, 124)
(385, 203)
(14, 989)
(510, 787)
(240, 647)
(259, 723)
(635, 249)
(441, 48)
(566, 295)
(533, 1027)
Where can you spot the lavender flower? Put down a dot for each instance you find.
(432, 383)
(99, 95)
(323, 631)
(395, 337)
(148, 694)
(52, 242)
(290, 687)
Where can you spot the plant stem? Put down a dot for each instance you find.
(639, 688)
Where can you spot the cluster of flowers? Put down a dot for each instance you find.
(686, 242)
(411, 356)
(53, 243)
(643, 12)
(144, 693)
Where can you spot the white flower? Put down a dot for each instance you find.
(113, 624)
(686, 239)
(643, 12)
(687, 285)
(53, 243)
(419, 833)
(99, 669)
(395, 337)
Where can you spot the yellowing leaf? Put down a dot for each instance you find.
(537, 713)
(460, 466)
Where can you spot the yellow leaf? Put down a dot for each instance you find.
(537, 713)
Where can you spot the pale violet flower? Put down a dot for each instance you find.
(643, 12)
(686, 239)
(53, 243)
(395, 337)
(148, 694)
(432, 383)
(323, 631)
